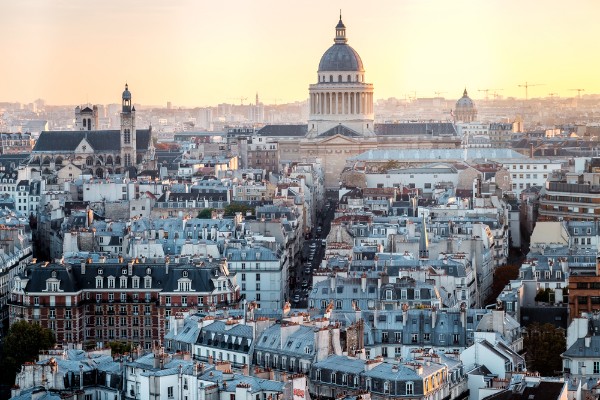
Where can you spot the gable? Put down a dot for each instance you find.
(84, 147)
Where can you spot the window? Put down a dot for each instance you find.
(410, 388)
(415, 337)
(170, 392)
(596, 367)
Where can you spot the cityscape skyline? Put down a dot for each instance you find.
(205, 54)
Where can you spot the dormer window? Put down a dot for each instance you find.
(135, 282)
(111, 282)
(124, 271)
(123, 282)
(99, 282)
(185, 274)
(148, 271)
(147, 282)
(100, 271)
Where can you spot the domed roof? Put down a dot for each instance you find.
(340, 56)
(126, 93)
(465, 101)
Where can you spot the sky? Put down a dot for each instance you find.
(201, 53)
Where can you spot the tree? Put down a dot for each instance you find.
(502, 276)
(232, 208)
(23, 344)
(206, 213)
(120, 347)
(544, 343)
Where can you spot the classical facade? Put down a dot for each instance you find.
(341, 95)
(465, 110)
(341, 119)
(96, 152)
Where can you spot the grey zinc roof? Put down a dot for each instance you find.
(256, 384)
(107, 140)
(418, 128)
(385, 371)
(580, 350)
(341, 130)
(270, 340)
(283, 130)
(342, 363)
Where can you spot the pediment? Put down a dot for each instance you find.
(337, 139)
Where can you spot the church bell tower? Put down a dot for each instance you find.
(128, 134)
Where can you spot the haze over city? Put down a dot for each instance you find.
(198, 53)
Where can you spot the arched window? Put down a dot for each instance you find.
(330, 78)
(127, 136)
(118, 160)
(89, 160)
(109, 160)
(89, 124)
(84, 122)
(349, 78)
(339, 78)
(127, 160)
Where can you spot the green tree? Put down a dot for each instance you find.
(205, 213)
(232, 208)
(502, 276)
(544, 343)
(23, 344)
(120, 347)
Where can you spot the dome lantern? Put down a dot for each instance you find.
(340, 31)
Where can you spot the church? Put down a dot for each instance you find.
(341, 121)
(97, 153)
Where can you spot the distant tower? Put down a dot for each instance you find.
(465, 109)
(341, 96)
(128, 134)
(86, 119)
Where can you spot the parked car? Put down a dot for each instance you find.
(297, 298)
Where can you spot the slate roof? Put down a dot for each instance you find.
(296, 343)
(420, 128)
(340, 130)
(104, 140)
(73, 280)
(283, 130)
(579, 349)
(256, 384)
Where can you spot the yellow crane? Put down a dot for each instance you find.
(487, 91)
(578, 92)
(527, 86)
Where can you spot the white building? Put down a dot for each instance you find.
(424, 178)
(263, 274)
(527, 172)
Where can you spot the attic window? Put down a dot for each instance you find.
(100, 271)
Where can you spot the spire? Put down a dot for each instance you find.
(340, 32)
(465, 93)
(423, 240)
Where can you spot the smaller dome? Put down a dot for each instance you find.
(126, 93)
(465, 101)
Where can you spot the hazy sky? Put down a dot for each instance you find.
(198, 53)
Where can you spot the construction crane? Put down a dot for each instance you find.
(241, 99)
(552, 95)
(487, 91)
(437, 94)
(527, 85)
(578, 92)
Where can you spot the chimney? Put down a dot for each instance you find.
(130, 268)
(588, 341)
(83, 268)
(363, 282)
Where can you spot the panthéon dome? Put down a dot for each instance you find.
(340, 56)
